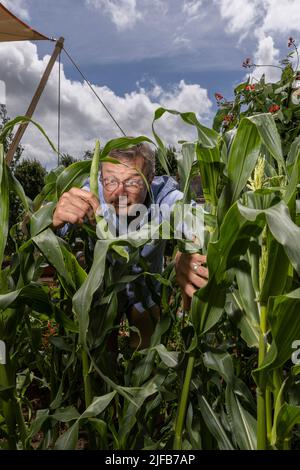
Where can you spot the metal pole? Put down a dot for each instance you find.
(22, 128)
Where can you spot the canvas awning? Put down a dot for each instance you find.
(13, 29)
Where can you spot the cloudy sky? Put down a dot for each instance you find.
(139, 55)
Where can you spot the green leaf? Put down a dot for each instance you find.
(98, 405)
(281, 226)
(288, 417)
(16, 187)
(42, 218)
(210, 170)
(283, 311)
(64, 415)
(214, 425)
(169, 358)
(122, 143)
(251, 134)
(48, 243)
(248, 322)
(4, 203)
(276, 270)
(8, 127)
(74, 175)
(221, 362)
(82, 300)
(206, 136)
(293, 155)
(234, 239)
(243, 424)
(33, 294)
(185, 161)
(68, 440)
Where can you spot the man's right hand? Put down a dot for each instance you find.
(73, 206)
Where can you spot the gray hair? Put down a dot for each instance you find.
(140, 150)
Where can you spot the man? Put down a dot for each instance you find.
(122, 187)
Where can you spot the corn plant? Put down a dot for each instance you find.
(194, 387)
(253, 259)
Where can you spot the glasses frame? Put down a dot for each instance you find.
(141, 184)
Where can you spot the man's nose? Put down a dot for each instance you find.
(120, 190)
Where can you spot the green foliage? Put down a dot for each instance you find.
(171, 157)
(66, 160)
(254, 97)
(216, 377)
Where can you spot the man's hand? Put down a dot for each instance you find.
(73, 206)
(190, 274)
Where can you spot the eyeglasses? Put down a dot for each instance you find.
(131, 185)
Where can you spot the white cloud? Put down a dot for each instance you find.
(265, 20)
(241, 15)
(267, 54)
(267, 15)
(83, 119)
(187, 98)
(282, 16)
(191, 7)
(18, 8)
(123, 13)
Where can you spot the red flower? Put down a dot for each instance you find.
(250, 88)
(219, 97)
(274, 108)
(227, 119)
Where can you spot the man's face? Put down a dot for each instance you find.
(123, 197)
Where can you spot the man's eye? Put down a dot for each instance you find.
(133, 183)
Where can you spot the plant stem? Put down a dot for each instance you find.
(21, 422)
(269, 419)
(261, 396)
(183, 403)
(88, 395)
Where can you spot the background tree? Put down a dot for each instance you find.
(171, 156)
(4, 118)
(67, 159)
(30, 174)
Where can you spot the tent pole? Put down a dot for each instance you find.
(22, 128)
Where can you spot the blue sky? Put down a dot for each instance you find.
(165, 46)
(139, 54)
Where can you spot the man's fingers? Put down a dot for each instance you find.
(197, 281)
(201, 272)
(196, 258)
(75, 203)
(190, 290)
(73, 216)
(73, 206)
(87, 196)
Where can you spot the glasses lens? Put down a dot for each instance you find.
(131, 186)
(110, 185)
